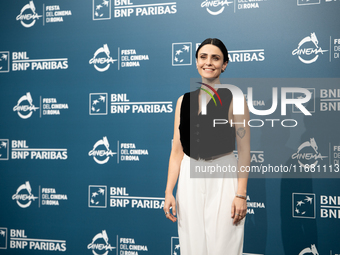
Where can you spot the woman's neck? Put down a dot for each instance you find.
(211, 82)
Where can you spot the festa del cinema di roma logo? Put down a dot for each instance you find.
(27, 15)
(101, 156)
(306, 53)
(22, 108)
(311, 250)
(308, 152)
(101, 64)
(215, 5)
(101, 152)
(98, 246)
(24, 199)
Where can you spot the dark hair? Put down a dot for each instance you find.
(218, 43)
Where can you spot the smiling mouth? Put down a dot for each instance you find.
(208, 69)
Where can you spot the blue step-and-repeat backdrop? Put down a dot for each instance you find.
(88, 94)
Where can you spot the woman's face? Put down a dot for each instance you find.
(209, 61)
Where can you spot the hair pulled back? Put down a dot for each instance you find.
(218, 43)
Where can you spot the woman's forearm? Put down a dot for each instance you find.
(173, 171)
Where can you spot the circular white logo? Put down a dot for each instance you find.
(311, 250)
(27, 17)
(98, 245)
(21, 198)
(215, 4)
(25, 108)
(102, 61)
(101, 153)
(306, 54)
(308, 152)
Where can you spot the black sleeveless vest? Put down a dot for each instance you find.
(199, 138)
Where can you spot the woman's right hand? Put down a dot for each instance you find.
(170, 202)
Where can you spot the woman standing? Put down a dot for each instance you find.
(210, 211)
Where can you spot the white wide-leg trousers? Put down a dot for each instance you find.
(205, 226)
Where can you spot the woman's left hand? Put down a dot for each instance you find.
(238, 209)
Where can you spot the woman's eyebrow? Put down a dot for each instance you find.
(211, 55)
